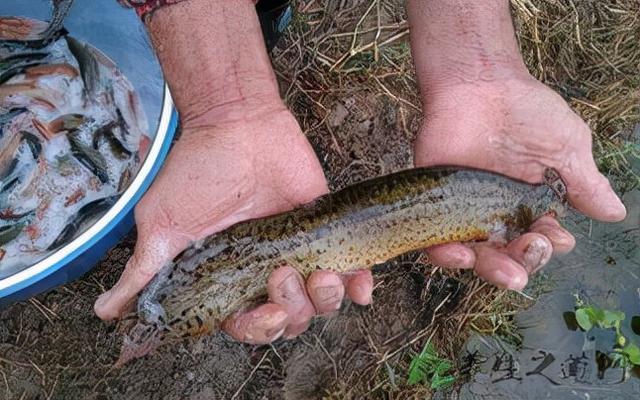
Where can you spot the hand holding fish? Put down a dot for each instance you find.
(540, 131)
(254, 168)
(484, 110)
(259, 164)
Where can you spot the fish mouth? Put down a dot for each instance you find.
(552, 214)
(555, 210)
(559, 209)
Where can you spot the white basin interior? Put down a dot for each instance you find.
(104, 224)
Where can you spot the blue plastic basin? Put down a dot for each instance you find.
(120, 35)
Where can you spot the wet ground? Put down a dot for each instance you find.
(557, 359)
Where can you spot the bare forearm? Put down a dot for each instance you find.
(214, 59)
(461, 41)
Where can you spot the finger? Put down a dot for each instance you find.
(286, 288)
(145, 262)
(499, 269)
(326, 291)
(294, 330)
(452, 255)
(531, 250)
(359, 286)
(561, 239)
(262, 325)
(590, 192)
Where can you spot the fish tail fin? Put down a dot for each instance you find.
(141, 340)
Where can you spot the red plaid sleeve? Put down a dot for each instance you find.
(144, 7)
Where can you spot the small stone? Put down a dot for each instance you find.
(338, 115)
(189, 375)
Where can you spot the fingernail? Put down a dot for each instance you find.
(563, 242)
(516, 283)
(296, 330)
(264, 326)
(501, 280)
(505, 280)
(271, 319)
(273, 334)
(289, 337)
(331, 314)
(616, 209)
(460, 259)
(290, 288)
(557, 235)
(536, 255)
(328, 295)
(102, 300)
(366, 289)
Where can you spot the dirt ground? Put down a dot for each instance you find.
(345, 70)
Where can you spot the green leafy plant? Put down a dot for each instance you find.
(589, 316)
(625, 354)
(429, 368)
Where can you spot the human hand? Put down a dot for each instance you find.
(241, 156)
(518, 127)
(484, 110)
(218, 175)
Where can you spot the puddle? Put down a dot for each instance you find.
(557, 359)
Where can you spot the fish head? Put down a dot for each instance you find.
(547, 198)
(554, 194)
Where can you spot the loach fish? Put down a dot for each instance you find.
(54, 30)
(15, 225)
(82, 221)
(71, 134)
(87, 63)
(8, 116)
(89, 157)
(9, 149)
(354, 228)
(106, 133)
(18, 63)
(10, 232)
(36, 34)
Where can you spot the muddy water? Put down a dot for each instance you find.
(557, 360)
(115, 31)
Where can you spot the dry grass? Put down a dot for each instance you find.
(351, 58)
(349, 61)
(482, 308)
(589, 51)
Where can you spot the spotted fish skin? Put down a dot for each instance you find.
(354, 228)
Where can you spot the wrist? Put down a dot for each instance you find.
(245, 125)
(469, 67)
(462, 42)
(214, 59)
(203, 112)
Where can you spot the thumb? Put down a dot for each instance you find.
(590, 192)
(150, 255)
